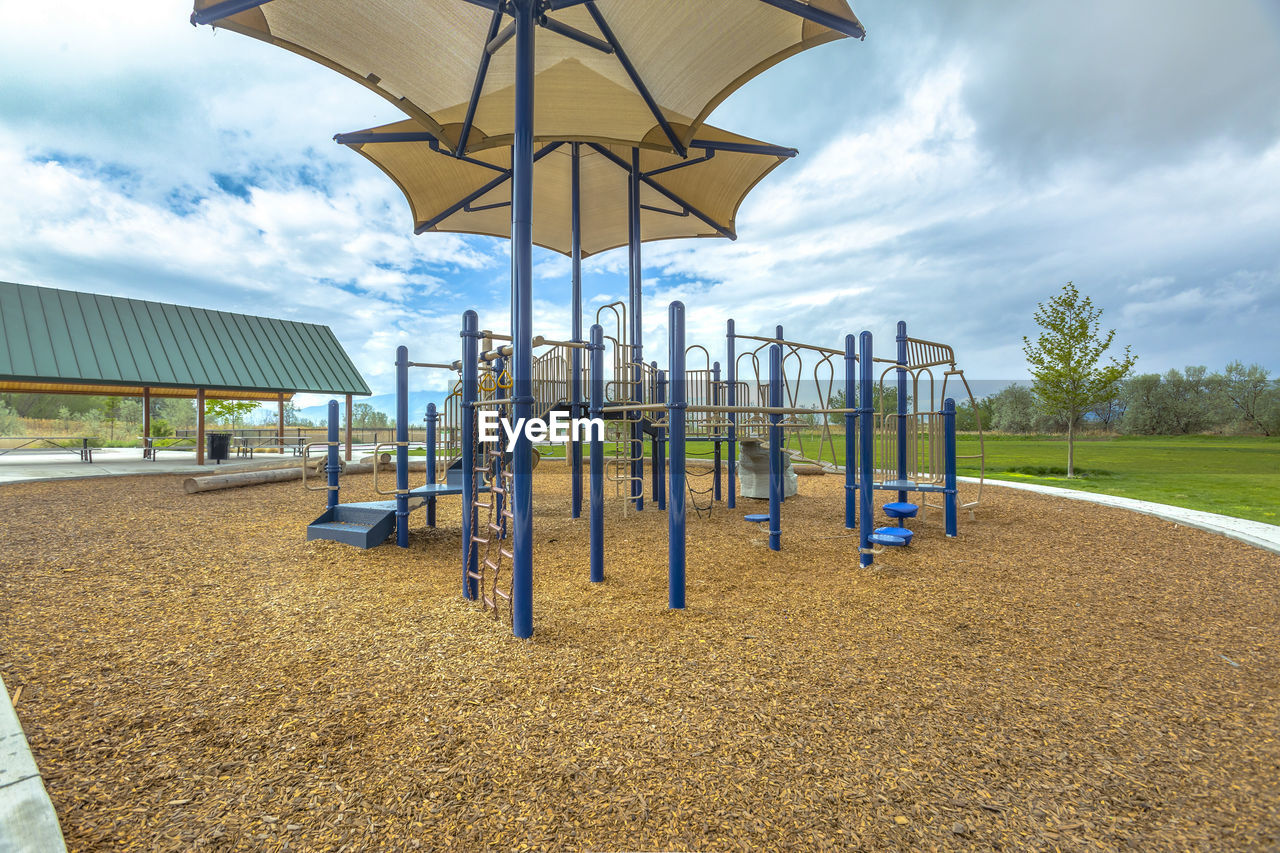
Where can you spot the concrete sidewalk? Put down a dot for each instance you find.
(28, 823)
(123, 461)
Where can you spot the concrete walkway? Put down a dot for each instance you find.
(123, 461)
(27, 820)
(1256, 533)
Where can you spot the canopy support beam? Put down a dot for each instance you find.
(710, 145)
(635, 78)
(487, 188)
(665, 193)
(852, 29)
(225, 9)
(481, 72)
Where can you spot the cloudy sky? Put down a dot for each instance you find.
(955, 168)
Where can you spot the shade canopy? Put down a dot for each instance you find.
(644, 72)
(694, 197)
(63, 341)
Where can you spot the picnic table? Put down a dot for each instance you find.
(246, 445)
(150, 447)
(77, 444)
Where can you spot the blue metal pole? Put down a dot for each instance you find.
(522, 316)
(850, 434)
(332, 465)
(402, 447)
(949, 445)
(575, 355)
(865, 428)
(597, 455)
(660, 445)
(675, 434)
(732, 397)
(902, 405)
(432, 418)
(470, 391)
(635, 297)
(715, 432)
(775, 449)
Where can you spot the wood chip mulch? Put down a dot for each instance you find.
(1063, 676)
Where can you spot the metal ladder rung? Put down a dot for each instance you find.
(475, 575)
(479, 540)
(508, 554)
(502, 595)
(491, 564)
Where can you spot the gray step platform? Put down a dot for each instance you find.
(369, 524)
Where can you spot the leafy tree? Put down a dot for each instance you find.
(1013, 409)
(181, 414)
(1251, 396)
(10, 423)
(1178, 403)
(1065, 361)
(64, 415)
(365, 416)
(223, 411)
(292, 415)
(160, 428)
(111, 412)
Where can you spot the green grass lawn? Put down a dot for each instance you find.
(1236, 476)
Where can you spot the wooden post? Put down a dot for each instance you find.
(280, 421)
(348, 428)
(199, 426)
(146, 413)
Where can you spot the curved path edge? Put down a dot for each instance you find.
(28, 823)
(1257, 533)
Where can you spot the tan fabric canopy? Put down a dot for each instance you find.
(595, 61)
(699, 197)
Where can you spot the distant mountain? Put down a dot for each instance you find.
(418, 401)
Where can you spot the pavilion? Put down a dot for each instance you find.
(65, 342)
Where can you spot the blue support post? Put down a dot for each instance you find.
(597, 455)
(402, 447)
(675, 435)
(575, 355)
(775, 448)
(522, 316)
(865, 428)
(850, 435)
(635, 298)
(332, 466)
(949, 451)
(715, 432)
(660, 445)
(432, 419)
(470, 391)
(731, 394)
(902, 405)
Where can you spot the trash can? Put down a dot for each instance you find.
(219, 446)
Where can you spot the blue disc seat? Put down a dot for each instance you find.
(901, 509)
(893, 536)
(756, 517)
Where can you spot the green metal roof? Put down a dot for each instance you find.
(49, 335)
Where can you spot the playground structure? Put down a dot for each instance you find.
(776, 393)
